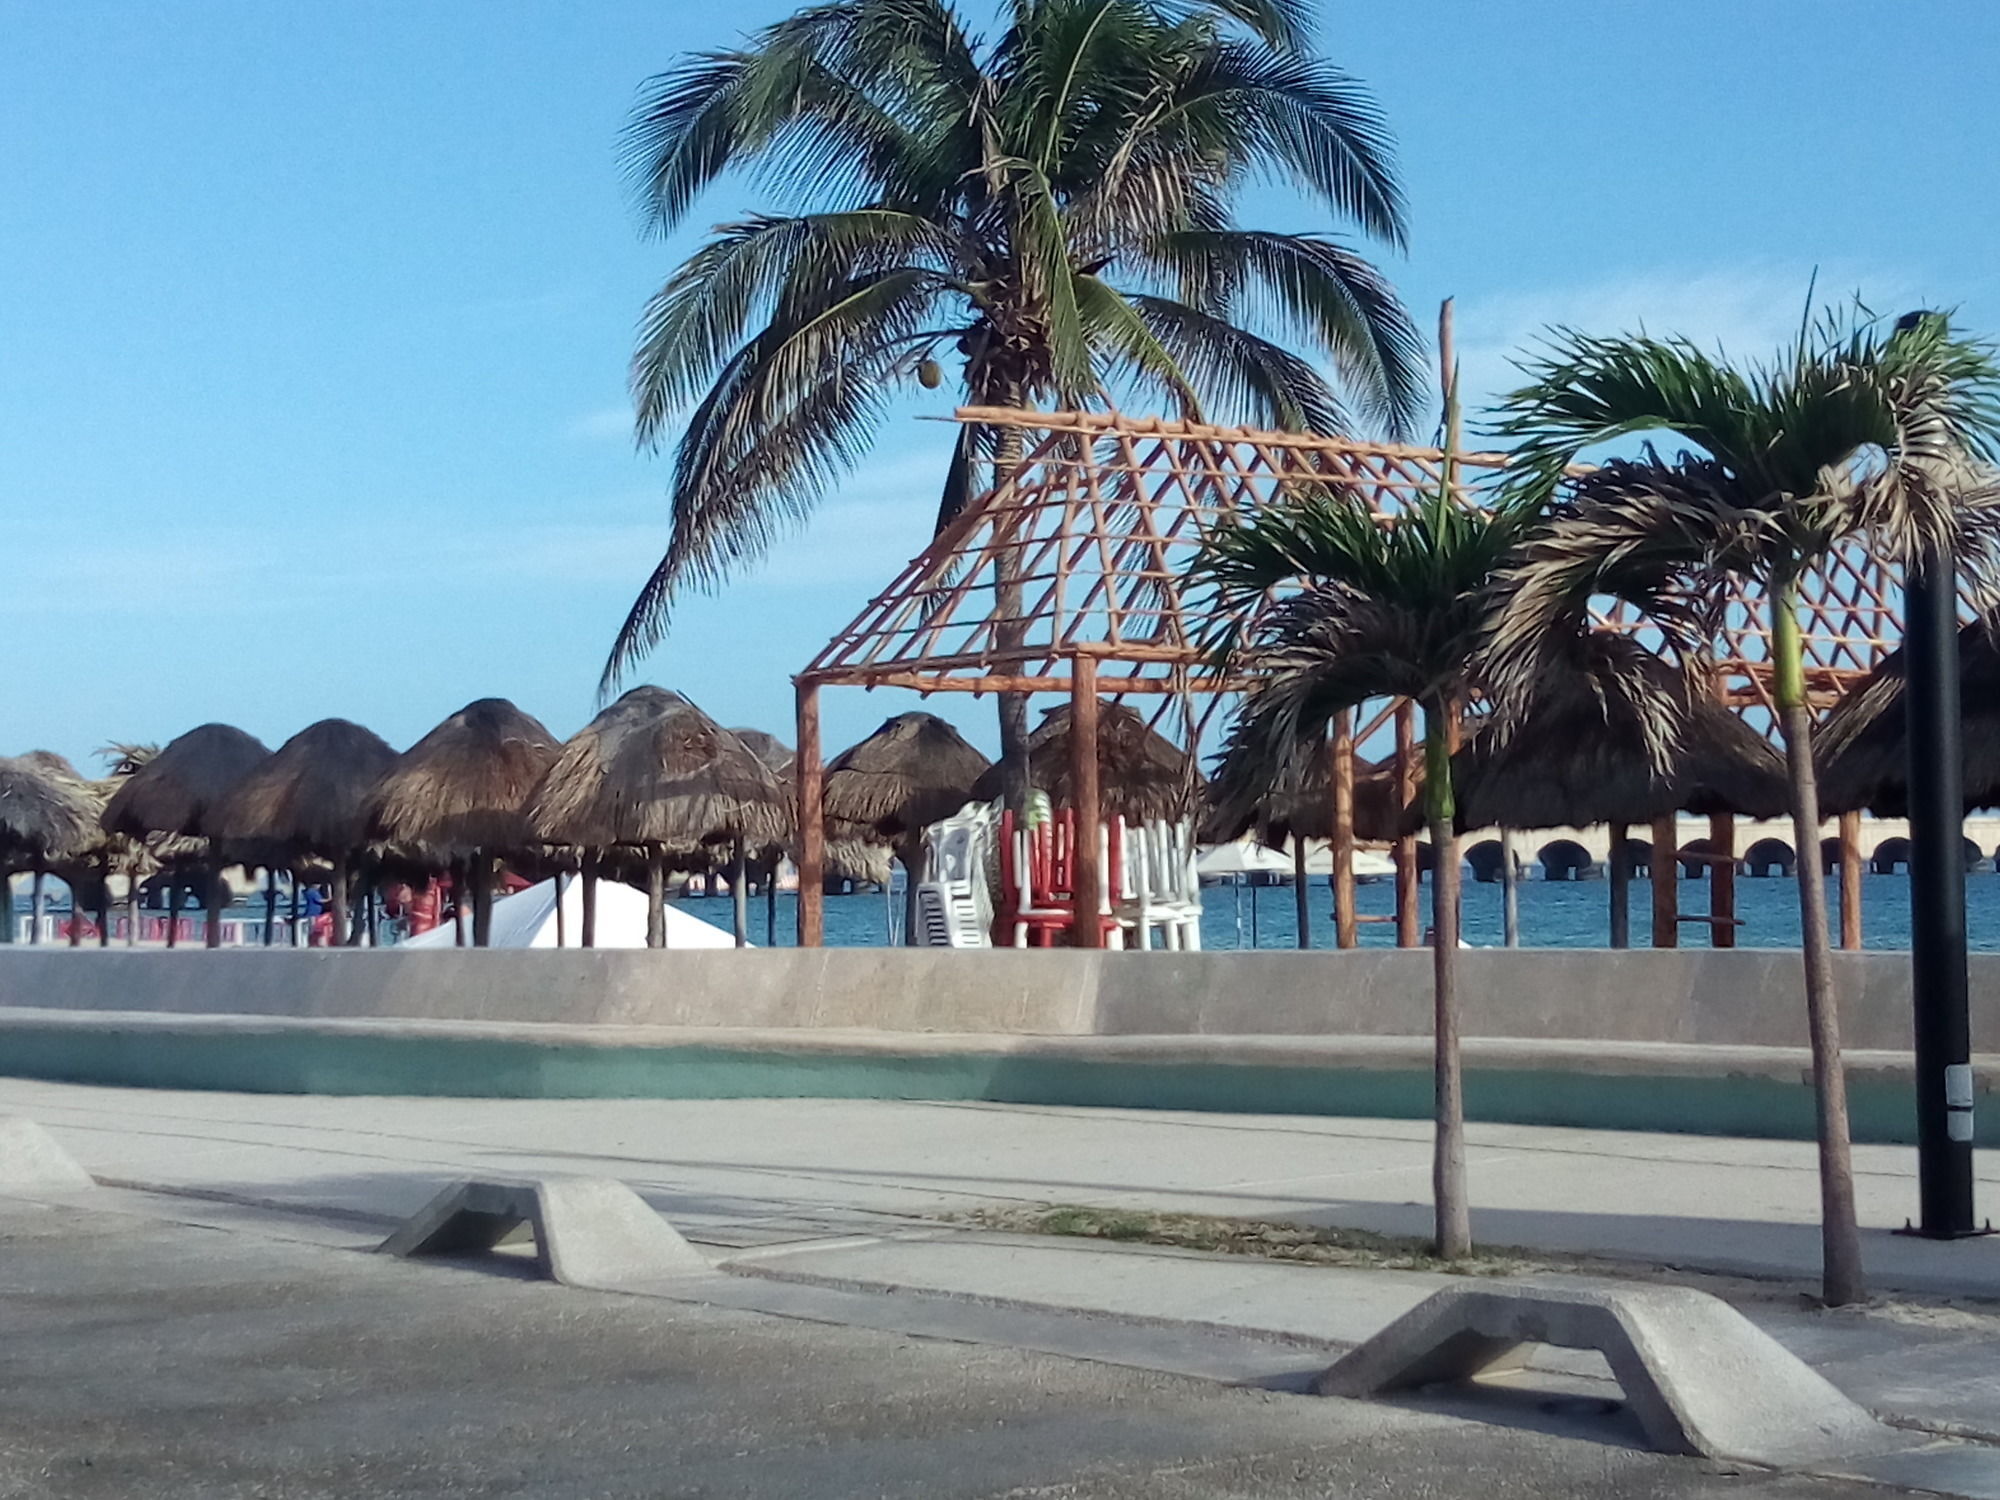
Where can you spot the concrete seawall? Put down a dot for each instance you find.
(1690, 1041)
(1697, 996)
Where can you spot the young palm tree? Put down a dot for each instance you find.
(1859, 431)
(1381, 611)
(1049, 210)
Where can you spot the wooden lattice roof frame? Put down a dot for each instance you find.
(1105, 513)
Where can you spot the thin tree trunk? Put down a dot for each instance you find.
(656, 898)
(590, 862)
(1453, 1212)
(1841, 1281)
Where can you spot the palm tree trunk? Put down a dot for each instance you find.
(1454, 1213)
(1010, 631)
(1840, 1237)
(656, 898)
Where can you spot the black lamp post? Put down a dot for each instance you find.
(1938, 982)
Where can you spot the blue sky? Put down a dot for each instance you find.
(315, 316)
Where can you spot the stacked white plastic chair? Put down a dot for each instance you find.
(955, 906)
(1160, 895)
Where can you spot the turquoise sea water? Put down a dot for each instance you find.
(1554, 914)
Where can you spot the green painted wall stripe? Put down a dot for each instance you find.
(350, 1064)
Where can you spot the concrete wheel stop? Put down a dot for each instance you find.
(1700, 1377)
(588, 1231)
(31, 1161)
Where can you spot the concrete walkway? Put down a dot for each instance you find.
(751, 1171)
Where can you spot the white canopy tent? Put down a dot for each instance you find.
(1248, 857)
(527, 919)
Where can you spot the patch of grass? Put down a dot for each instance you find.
(1271, 1239)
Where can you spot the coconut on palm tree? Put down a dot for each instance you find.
(1860, 430)
(1047, 211)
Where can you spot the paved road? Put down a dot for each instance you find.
(142, 1359)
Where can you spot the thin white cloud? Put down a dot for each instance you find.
(1747, 311)
(606, 424)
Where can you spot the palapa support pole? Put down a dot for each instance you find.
(1666, 870)
(1850, 880)
(1089, 893)
(337, 904)
(1618, 873)
(37, 901)
(104, 912)
(590, 863)
(562, 920)
(131, 911)
(1939, 989)
(298, 935)
(176, 893)
(461, 906)
(1301, 895)
(771, 905)
(270, 905)
(656, 897)
(6, 907)
(481, 867)
(1510, 892)
(739, 894)
(1409, 893)
(1722, 880)
(1346, 930)
(812, 820)
(75, 916)
(211, 920)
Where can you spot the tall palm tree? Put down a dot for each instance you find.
(1860, 430)
(1380, 611)
(1049, 210)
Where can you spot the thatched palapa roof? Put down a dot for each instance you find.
(913, 771)
(1141, 775)
(654, 771)
(463, 787)
(310, 798)
(175, 791)
(1579, 757)
(767, 747)
(45, 815)
(1863, 747)
(1240, 802)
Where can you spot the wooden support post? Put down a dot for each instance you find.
(1722, 880)
(656, 897)
(1089, 893)
(1666, 883)
(1850, 879)
(590, 864)
(1618, 874)
(337, 904)
(739, 893)
(812, 821)
(1301, 892)
(1409, 892)
(1510, 892)
(481, 868)
(1346, 931)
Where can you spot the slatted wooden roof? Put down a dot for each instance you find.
(1108, 510)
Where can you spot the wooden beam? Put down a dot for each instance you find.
(1346, 932)
(1722, 880)
(1409, 886)
(1850, 879)
(1089, 881)
(1666, 868)
(811, 781)
(1618, 875)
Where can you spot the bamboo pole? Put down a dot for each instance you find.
(1409, 909)
(1850, 880)
(1089, 893)
(1346, 931)
(812, 821)
(1666, 869)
